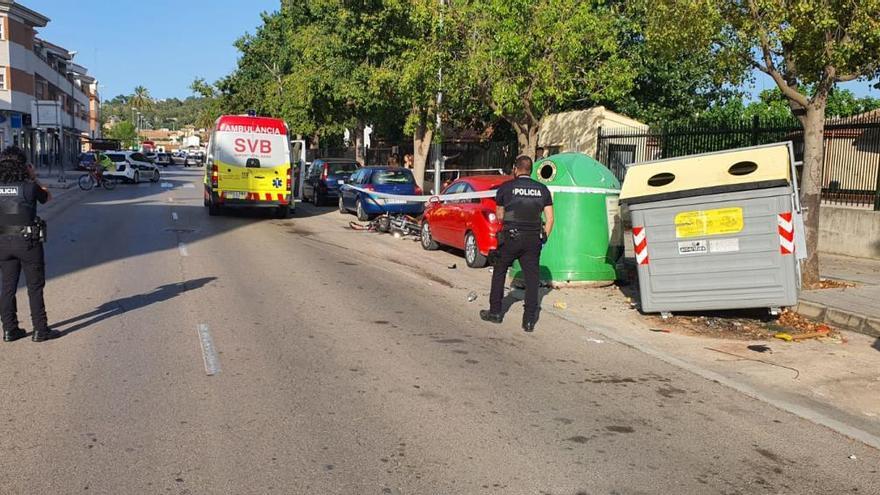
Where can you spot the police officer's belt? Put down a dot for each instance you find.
(11, 229)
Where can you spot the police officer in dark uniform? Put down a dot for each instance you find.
(520, 203)
(21, 236)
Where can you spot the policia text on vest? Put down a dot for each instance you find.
(521, 204)
(21, 248)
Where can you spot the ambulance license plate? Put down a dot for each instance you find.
(236, 195)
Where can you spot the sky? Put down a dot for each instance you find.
(160, 44)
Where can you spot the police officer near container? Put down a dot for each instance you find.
(21, 248)
(520, 204)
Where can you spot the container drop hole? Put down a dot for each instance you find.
(742, 168)
(547, 171)
(661, 179)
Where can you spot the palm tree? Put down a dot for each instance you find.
(141, 98)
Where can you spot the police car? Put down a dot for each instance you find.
(132, 166)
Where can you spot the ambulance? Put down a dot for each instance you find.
(248, 165)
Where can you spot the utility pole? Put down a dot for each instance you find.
(438, 132)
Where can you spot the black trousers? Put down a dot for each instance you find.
(525, 247)
(17, 254)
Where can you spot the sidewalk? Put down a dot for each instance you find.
(852, 308)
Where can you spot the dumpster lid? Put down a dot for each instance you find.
(741, 169)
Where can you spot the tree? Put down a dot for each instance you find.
(800, 44)
(531, 57)
(141, 100)
(210, 111)
(125, 133)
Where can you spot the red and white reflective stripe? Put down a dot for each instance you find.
(786, 233)
(640, 241)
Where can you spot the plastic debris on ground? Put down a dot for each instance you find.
(561, 305)
(472, 296)
(743, 325)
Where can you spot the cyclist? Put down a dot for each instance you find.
(103, 164)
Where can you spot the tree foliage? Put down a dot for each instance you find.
(805, 46)
(530, 58)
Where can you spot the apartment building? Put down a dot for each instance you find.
(35, 70)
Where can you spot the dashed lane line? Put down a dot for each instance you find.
(209, 353)
(182, 248)
(174, 216)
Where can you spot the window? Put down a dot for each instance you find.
(3, 78)
(3, 20)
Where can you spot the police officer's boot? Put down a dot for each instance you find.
(529, 324)
(45, 335)
(13, 335)
(485, 315)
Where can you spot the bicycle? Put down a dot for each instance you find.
(89, 181)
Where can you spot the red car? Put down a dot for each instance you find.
(469, 225)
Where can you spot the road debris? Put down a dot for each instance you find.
(472, 296)
(783, 336)
(760, 348)
(452, 266)
(595, 341)
(561, 305)
(852, 457)
(659, 330)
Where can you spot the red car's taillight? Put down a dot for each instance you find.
(215, 176)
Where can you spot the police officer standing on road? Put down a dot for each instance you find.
(520, 204)
(21, 236)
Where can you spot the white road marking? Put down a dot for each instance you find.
(212, 361)
(167, 185)
(170, 200)
(189, 186)
(174, 215)
(182, 248)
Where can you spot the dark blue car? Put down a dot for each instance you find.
(356, 195)
(325, 178)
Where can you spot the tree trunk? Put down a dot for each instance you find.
(359, 150)
(527, 137)
(422, 138)
(811, 186)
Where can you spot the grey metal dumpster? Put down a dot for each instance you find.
(717, 231)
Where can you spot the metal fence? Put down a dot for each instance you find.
(851, 170)
(457, 155)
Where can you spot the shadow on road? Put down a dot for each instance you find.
(876, 344)
(131, 303)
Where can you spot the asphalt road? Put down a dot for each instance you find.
(339, 372)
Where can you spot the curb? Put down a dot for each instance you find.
(845, 320)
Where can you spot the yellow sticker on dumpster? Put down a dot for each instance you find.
(709, 222)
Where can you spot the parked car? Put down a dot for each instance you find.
(468, 224)
(389, 180)
(150, 156)
(86, 161)
(325, 177)
(133, 166)
(163, 159)
(193, 159)
(178, 157)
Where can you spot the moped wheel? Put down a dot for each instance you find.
(109, 184)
